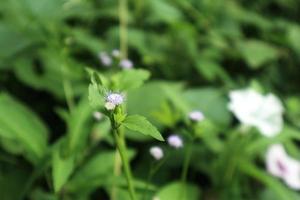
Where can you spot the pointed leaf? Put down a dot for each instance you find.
(142, 125)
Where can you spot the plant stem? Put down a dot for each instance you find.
(117, 172)
(123, 27)
(121, 145)
(186, 164)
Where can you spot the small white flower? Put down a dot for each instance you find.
(196, 116)
(279, 164)
(116, 53)
(98, 115)
(253, 109)
(109, 106)
(175, 141)
(156, 152)
(105, 59)
(156, 198)
(126, 64)
(115, 98)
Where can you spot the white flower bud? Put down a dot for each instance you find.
(156, 152)
(97, 115)
(126, 64)
(175, 141)
(196, 116)
(105, 59)
(109, 106)
(116, 53)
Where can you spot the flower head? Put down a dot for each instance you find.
(126, 64)
(97, 115)
(112, 100)
(175, 141)
(156, 152)
(115, 98)
(116, 53)
(105, 59)
(279, 164)
(196, 116)
(253, 109)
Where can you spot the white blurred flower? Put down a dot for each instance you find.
(156, 198)
(126, 64)
(105, 59)
(279, 164)
(113, 100)
(116, 53)
(109, 106)
(98, 115)
(196, 116)
(175, 141)
(156, 152)
(255, 109)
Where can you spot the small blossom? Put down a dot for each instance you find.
(97, 115)
(175, 141)
(157, 152)
(126, 64)
(105, 59)
(156, 198)
(279, 164)
(109, 106)
(115, 98)
(116, 53)
(196, 116)
(254, 109)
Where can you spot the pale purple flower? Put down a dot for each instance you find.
(126, 64)
(281, 165)
(156, 152)
(196, 116)
(105, 59)
(112, 100)
(175, 141)
(115, 98)
(98, 115)
(116, 53)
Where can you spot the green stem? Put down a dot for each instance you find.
(186, 164)
(117, 171)
(150, 175)
(123, 27)
(121, 145)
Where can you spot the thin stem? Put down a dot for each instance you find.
(121, 145)
(68, 94)
(153, 169)
(150, 175)
(123, 27)
(117, 172)
(186, 164)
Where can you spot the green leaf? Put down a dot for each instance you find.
(130, 79)
(78, 128)
(19, 124)
(96, 100)
(293, 36)
(256, 53)
(178, 190)
(61, 169)
(142, 125)
(95, 172)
